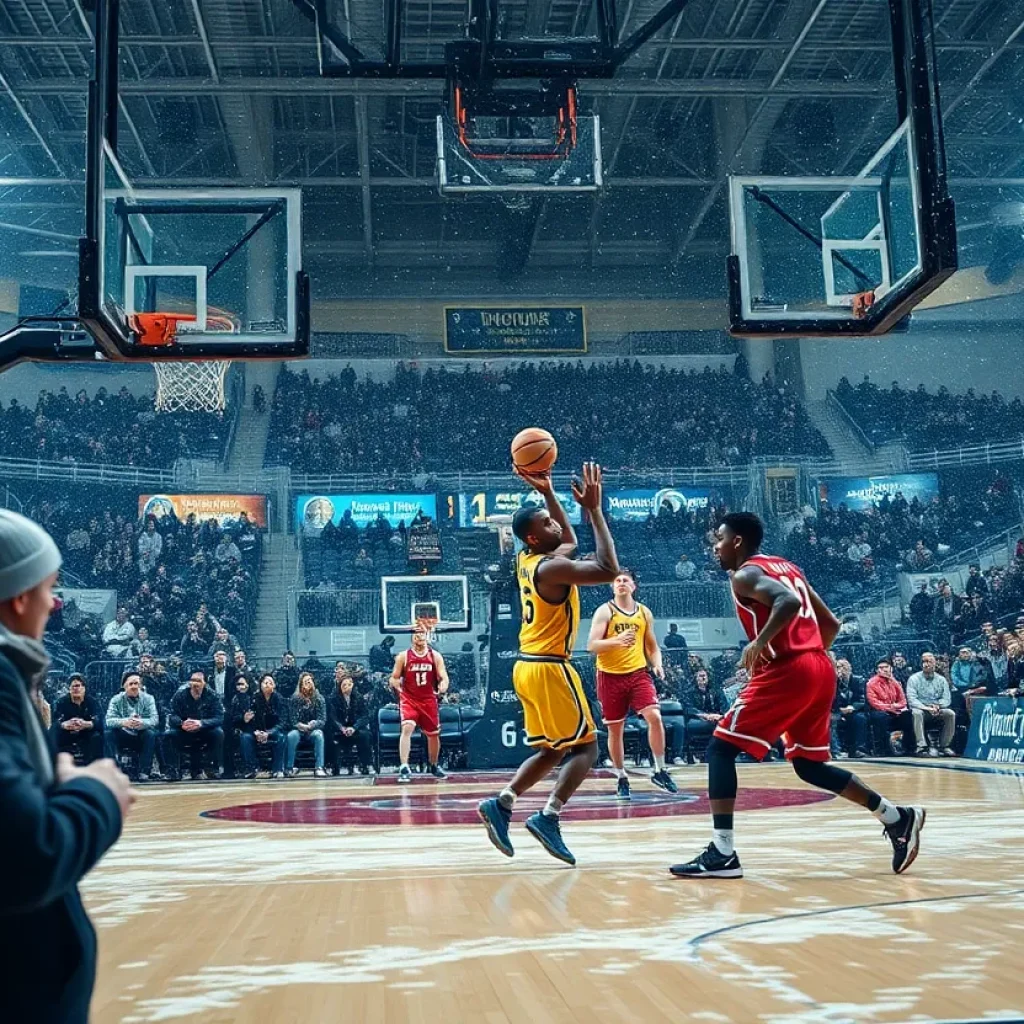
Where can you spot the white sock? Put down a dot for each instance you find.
(507, 798)
(620, 773)
(723, 840)
(659, 762)
(887, 813)
(553, 807)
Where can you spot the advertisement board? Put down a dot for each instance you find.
(997, 731)
(861, 492)
(486, 507)
(637, 504)
(314, 511)
(225, 508)
(511, 329)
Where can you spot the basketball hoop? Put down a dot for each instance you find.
(862, 302)
(428, 623)
(184, 386)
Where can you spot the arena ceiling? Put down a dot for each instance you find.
(229, 92)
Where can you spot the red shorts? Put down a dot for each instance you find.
(423, 713)
(791, 699)
(619, 693)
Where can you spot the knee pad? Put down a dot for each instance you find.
(824, 776)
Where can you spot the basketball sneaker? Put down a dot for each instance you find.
(905, 836)
(497, 818)
(664, 781)
(437, 771)
(404, 775)
(622, 789)
(546, 830)
(712, 863)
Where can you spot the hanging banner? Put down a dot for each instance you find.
(314, 511)
(511, 329)
(997, 731)
(637, 504)
(862, 492)
(486, 507)
(225, 508)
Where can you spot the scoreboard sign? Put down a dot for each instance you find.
(507, 330)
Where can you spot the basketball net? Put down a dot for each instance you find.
(429, 625)
(190, 387)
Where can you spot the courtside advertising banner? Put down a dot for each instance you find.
(225, 508)
(636, 505)
(487, 507)
(314, 511)
(862, 492)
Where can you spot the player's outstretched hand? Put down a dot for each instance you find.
(588, 492)
(538, 481)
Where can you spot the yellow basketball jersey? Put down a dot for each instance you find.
(623, 660)
(547, 629)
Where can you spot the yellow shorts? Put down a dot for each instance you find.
(556, 713)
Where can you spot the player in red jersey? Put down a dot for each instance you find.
(419, 676)
(790, 693)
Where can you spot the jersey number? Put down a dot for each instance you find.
(422, 676)
(799, 588)
(528, 611)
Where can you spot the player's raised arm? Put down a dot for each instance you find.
(750, 582)
(395, 682)
(605, 565)
(828, 624)
(541, 482)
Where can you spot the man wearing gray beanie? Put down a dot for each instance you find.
(57, 820)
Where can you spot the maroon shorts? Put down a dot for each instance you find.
(619, 693)
(791, 699)
(423, 713)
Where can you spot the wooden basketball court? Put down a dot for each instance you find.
(364, 911)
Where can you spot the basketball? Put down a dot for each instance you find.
(534, 450)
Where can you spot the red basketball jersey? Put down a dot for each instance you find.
(419, 681)
(801, 633)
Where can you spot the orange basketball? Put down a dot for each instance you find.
(534, 450)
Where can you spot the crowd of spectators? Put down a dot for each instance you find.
(118, 429)
(841, 549)
(923, 420)
(437, 420)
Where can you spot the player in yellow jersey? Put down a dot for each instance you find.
(556, 713)
(622, 637)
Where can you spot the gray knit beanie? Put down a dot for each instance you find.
(27, 555)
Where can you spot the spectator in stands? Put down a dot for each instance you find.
(363, 562)
(223, 641)
(859, 549)
(735, 685)
(241, 722)
(849, 713)
(227, 551)
(901, 670)
(287, 674)
(675, 644)
(242, 668)
(150, 547)
(78, 723)
(222, 677)
(193, 647)
(685, 569)
(117, 635)
(968, 677)
(920, 559)
(382, 658)
(704, 705)
(269, 724)
(999, 664)
(976, 583)
(131, 724)
(921, 606)
(945, 613)
(142, 644)
(929, 699)
(348, 727)
(195, 725)
(888, 712)
(307, 716)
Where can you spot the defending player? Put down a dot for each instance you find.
(622, 637)
(790, 694)
(556, 713)
(419, 676)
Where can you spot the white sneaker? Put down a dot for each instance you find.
(278, 775)
(679, 760)
(292, 772)
(319, 773)
(404, 775)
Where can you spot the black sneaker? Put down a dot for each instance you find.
(664, 781)
(437, 771)
(905, 836)
(712, 863)
(622, 789)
